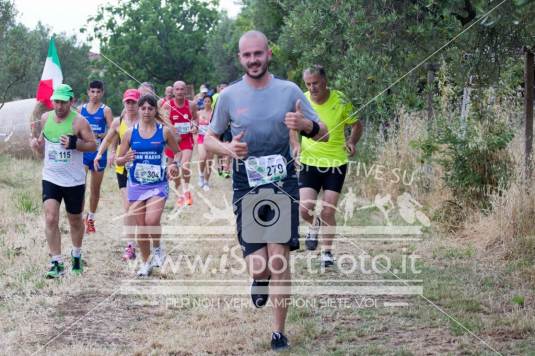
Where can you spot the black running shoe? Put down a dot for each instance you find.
(311, 240)
(327, 259)
(260, 292)
(279, 342)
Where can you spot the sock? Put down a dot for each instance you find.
(91, 216)
(314, 228)
(76, 252)
(56, 258)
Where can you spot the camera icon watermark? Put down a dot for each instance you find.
(266, 216)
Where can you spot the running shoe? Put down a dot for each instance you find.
(187, 198)
(129, 253)
(145, 270)
(57, 269)
(181, 201)
(260, 292)
(226, 174)
(77, 264)
(206, 187)
(327, 259)
(311, 240)
(90, 226)
(158, 257)
(279, 342)
(201, 181)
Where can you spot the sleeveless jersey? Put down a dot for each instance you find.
(122, 130)
(180, 116)
(61, 166)
(149, 165)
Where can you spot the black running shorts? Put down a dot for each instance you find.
(122, 178)
(249, 217)
(73, 196)
(326, 178)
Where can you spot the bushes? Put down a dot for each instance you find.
(474, 157)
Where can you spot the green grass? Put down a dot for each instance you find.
(26, 203)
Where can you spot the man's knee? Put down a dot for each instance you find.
(75, 220)
(278, 265)
(258, 267)
(51, 218)
(328, 213)
(306, 210)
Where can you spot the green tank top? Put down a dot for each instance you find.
(54, 130)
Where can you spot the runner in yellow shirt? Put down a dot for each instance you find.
(324, 164)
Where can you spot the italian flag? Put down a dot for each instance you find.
(52, 76)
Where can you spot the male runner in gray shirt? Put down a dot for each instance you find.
(262, 110)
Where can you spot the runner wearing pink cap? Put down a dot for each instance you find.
(119, 126)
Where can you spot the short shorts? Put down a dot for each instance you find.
(326, 178)
(73, 196)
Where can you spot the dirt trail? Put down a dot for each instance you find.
(94, 315)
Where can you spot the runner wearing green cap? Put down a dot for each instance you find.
(64, 136)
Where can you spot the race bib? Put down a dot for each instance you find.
(183, 127)
(203, 129)
(264, 170)
(146, 173)
(58, 154)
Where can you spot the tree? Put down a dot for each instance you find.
(222, 49)
(154, 40)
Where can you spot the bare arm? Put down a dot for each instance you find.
(354, 137)
(125, 155)
(297, 121)
(110, 137)
(356, 132)
(37, 144)
(108, 115)
(86, 141)
(235, 148)
(322, 135)
(194, 117)
(171, 140)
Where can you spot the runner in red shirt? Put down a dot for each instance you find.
(183, 116)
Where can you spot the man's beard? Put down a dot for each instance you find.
(263, 70)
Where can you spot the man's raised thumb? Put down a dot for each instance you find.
(298, 106)
(239, 136)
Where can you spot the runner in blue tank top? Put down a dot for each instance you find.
(100, 119)
(142, 153)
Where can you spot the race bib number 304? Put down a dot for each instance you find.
(265, 169)
(146, 173)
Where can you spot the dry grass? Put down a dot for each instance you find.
(457, 277)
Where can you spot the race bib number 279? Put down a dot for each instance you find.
(265, 169)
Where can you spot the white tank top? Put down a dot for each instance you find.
(62, 166)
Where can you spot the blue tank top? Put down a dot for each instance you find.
(97, 121)
(149, 163)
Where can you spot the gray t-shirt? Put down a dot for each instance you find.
(260, 112)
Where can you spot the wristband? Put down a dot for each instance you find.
(72, 142)
(314, 132)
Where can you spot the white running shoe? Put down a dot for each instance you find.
(206, 187)
(145, 270)
(158, 257)
(201, 181)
